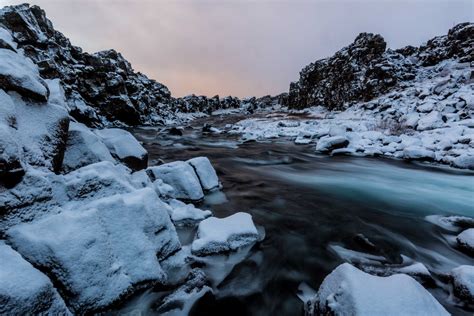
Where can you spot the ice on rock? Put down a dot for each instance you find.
(18, 73)
(350, 291)
(463, 282)
(25, 290)
(465, 240)
(101, 251)
(205, 172)
(326, 144)
(182, 177)
(182, 213)
(83, 148)
(216, 235)
(124, 147)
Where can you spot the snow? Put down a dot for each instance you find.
(216, 235)
(7, 37)
(25, 290)
(182, 213)
(205, 172)
(349, 291)
(125, 147)
(20, 74)
(451, 223)
(463, 282)
(409, 123)
(466, 240)
(101, 250)
(182, 177)
(83, 148)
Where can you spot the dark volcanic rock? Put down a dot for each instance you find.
(364, 69)
(103, 81)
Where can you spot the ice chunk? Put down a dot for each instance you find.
(463, 282)
(350, 291)
(25, 290)
(182, 177)
(205, 172)
(124, 147)
(101, 251)
(216, 235)
(83, 148)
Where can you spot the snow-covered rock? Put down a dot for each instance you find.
(418, 153)
(100, 251)
(464, 161)
(186, 214)
(124, 147)
(182, 177)
(205, 172)
(350, 291)
(25, 290)
(326, 144)
(430, 121)
(463, 282)
(216, 235)
(465, 240)
(83, 148)
(19, 74)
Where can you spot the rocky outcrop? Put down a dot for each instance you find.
(98, 87)
(365, 69)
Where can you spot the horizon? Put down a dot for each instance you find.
(209, 48)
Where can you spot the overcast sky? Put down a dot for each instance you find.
(242, 47)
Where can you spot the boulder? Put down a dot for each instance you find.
(182, 177)
(21, 75)
(123, 146)
(418, 153)
(464, 161)
(463, 283)
(102, 251)
(205, 172)
(83, 148)
(465, 241)
(217, 235)
(329, 143)
(350, 291)
(25, 290)
(186, 214)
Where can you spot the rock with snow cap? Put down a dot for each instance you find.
(124, 147)
(83, 148)
(217, 235)
(327, 144)
(182, 177)
(463, 282)
(350, 291)
(100, 252)
(465, 241)
(25, 290)
(205, 172)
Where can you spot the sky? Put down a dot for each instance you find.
(242, 47)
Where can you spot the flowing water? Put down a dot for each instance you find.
(311, 206)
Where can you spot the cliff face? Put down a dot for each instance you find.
(365, 69)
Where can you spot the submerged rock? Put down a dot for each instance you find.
(350, 291)
(217, 235)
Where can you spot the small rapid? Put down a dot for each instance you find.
(314, 209)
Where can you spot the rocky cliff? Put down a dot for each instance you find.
(366, 69)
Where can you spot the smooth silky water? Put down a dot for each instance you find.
(308, 203)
